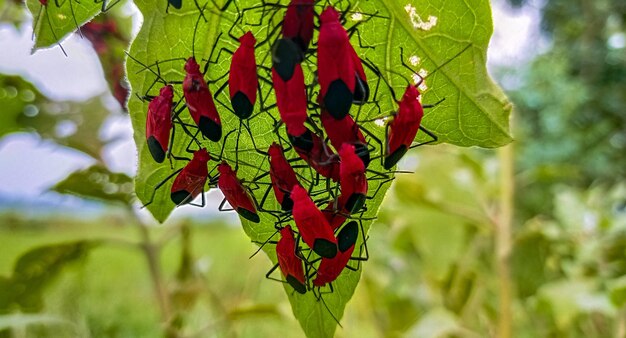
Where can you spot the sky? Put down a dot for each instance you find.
(79, 76)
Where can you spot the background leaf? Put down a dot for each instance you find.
(475, 112)
(97, 182)
(54, 22)
(34, 270)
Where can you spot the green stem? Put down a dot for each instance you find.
(152, 252)
(503, 241)
(620, 330)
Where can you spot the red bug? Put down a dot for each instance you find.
(312, 225)
(330, 268)
(189, 181)
(159, 123)
(98, 33)
(401, 131)
(339, 68)
(282, 175)
(361, 88)
(352, 179)
(236, 194)
(335, 213)
(291, 265)
(200, 102)
(345, 130)
(242, 78)
(297, 32)
(291, 100)
(298, 23)
(404, 126)
(314, 151)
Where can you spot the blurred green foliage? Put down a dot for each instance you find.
(571, 106)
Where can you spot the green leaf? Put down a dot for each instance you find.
(12, 12)
(35, 270)
(52, 23)
(97, 182)
(617, 291)
(17, 98)
(567, 299)
(438, 322)
(475, 111)
(67, 124)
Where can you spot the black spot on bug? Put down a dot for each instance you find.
(325, 248)
(210, 129)
(303, 142)
(355, 202)
(393, 158)
(347, 236)
(363, 153)
(296, 284)
(181, 197)
(242, 105)
(361, 91)
(249, 215)
(285, 55)
(178, 4)
(338, 99)
(287, 204)
(156, 150)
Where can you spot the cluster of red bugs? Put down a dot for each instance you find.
(321, 193)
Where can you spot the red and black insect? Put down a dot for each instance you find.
(243, 81)
(190, 180)
(99, 32)
(291, 100)
(330, 268)
(402, 129)
(312, 225)
(352, 179)
(314, 151)
(200, 102)
(282, 175)
(298, 23)
(335, 212)
(236, 194)
(345, 130)
(400, 132)
(159, 123)
(297, 31)
(340, 73)
(290, 263)
(198, 97)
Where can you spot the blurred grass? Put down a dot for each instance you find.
(111, 295)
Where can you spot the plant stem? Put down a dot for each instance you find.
(503, 241)
(620, 331)
(152, 253)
